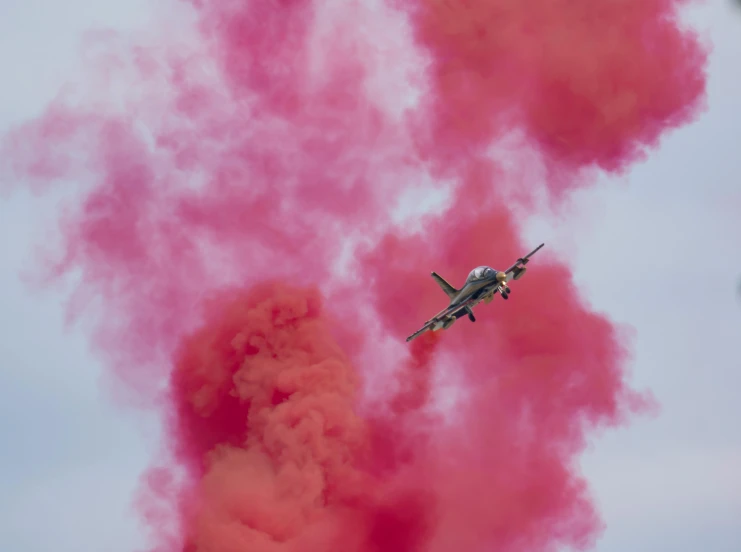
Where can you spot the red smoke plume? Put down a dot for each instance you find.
(238, 230)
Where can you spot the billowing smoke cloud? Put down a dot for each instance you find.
(237, 237)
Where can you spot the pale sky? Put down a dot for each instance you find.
(670, 483)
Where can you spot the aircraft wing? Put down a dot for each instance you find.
(448, 311)
(429, 324)
(422, 330)
(520, 263)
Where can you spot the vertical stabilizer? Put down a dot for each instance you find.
(449, 290)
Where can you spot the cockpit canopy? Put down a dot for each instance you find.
(479, 273)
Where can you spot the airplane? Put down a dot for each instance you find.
(482, 284)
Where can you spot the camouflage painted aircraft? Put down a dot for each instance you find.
(482, 284)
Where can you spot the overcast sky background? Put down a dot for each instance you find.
(659, 249)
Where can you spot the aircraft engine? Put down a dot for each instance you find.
(449, 322)
(520, 273)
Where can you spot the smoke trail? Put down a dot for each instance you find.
(588, 83)
(222, 192)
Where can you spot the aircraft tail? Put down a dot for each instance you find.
(449, 290)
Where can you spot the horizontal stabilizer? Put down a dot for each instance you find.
(449, 290)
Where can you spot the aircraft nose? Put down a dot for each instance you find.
(501, 276)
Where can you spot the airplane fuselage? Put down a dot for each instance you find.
(472, 293)
(473, 288)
